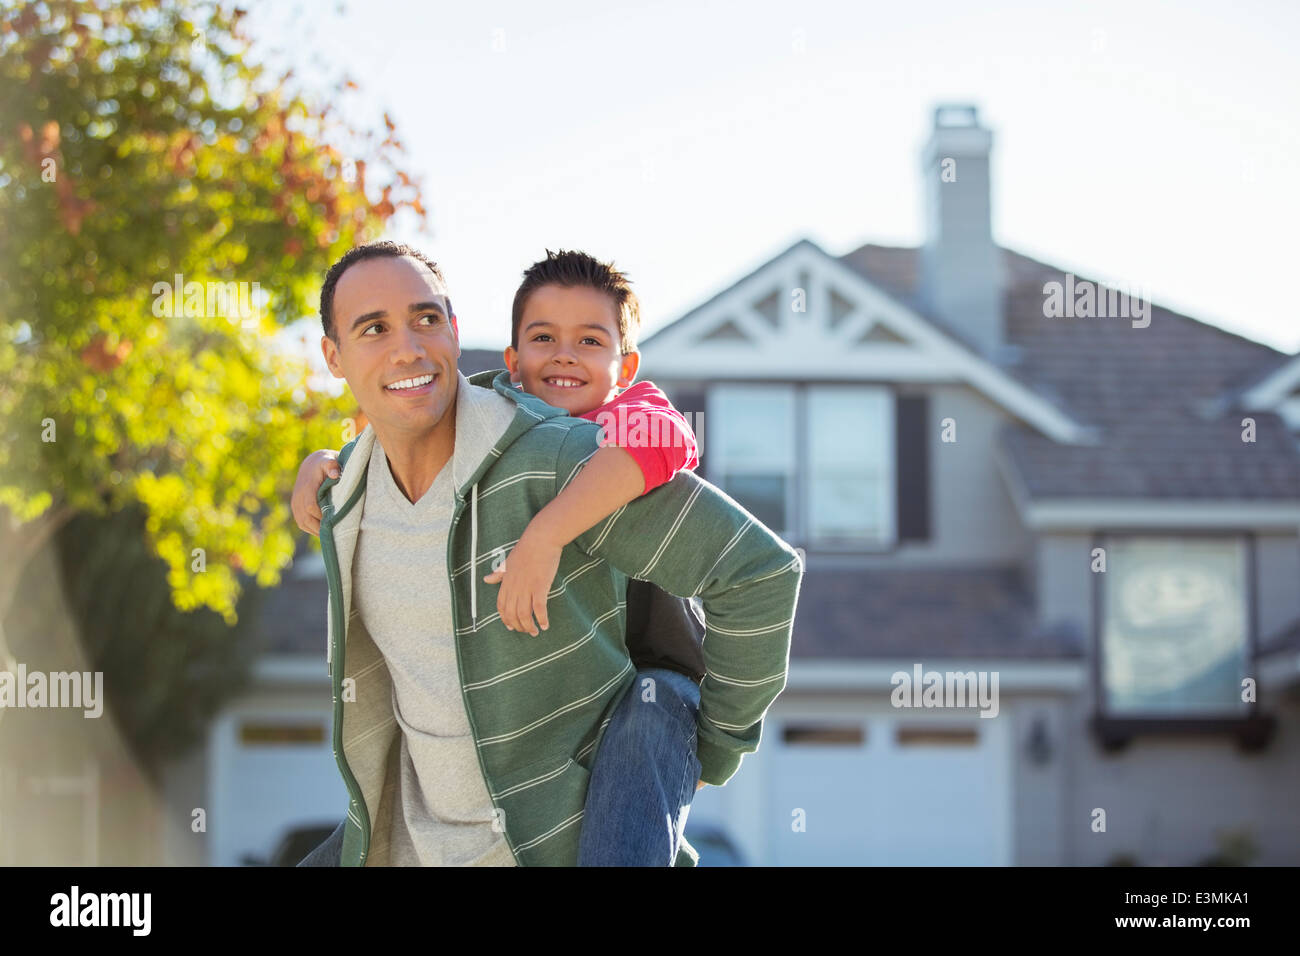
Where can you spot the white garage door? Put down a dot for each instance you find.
(914, 789)
(271, 769)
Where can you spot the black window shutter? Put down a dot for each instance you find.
(912, 460)
(691, 399)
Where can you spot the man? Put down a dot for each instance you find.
(461, 741)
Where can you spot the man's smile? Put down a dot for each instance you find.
(417, 385)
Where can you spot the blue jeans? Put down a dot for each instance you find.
(644, 776)
(642, 780)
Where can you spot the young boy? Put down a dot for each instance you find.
(573, 344)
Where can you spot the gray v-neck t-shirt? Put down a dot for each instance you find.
(444, 816)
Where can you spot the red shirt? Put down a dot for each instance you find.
(642, 422)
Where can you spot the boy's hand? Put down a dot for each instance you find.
(315, 468)
(532, 566)
(699, 786)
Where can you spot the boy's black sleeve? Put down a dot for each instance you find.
(663, 630)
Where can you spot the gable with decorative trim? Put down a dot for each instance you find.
(805, 316)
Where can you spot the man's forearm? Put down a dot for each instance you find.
(690, 539)
(749, 621)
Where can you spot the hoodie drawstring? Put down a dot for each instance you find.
(473, 555)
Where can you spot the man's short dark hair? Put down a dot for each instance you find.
(571, 269)
(384, 248)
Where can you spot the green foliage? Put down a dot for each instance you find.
(166, 672)
(138, 142)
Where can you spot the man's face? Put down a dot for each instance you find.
(568, 353)
(392, 321)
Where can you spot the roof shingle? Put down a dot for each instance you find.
(1156, 393)
(923, 612)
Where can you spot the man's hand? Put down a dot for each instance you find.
(315, 468)
(699, 786)
(532, 566)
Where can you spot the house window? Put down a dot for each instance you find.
(1174, 626)
(832, 735)
(258, 733)
(850, 465)
(812, 462)
(753, 450)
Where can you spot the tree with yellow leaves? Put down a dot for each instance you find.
(166, 205)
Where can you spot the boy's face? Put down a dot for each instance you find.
(393, 324)
(568, 353)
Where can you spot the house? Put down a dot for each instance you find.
(1097, 509)
(1051, 609)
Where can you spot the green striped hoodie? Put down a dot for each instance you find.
(538, 706)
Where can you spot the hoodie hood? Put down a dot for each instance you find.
(485, 427)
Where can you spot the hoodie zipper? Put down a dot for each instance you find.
(455, 638)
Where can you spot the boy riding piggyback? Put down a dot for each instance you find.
(573, 344)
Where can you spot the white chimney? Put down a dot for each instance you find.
(961, 279)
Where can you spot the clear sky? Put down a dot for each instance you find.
(1154, 143)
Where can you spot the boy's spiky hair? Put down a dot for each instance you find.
(570, 269)
(371, 250)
